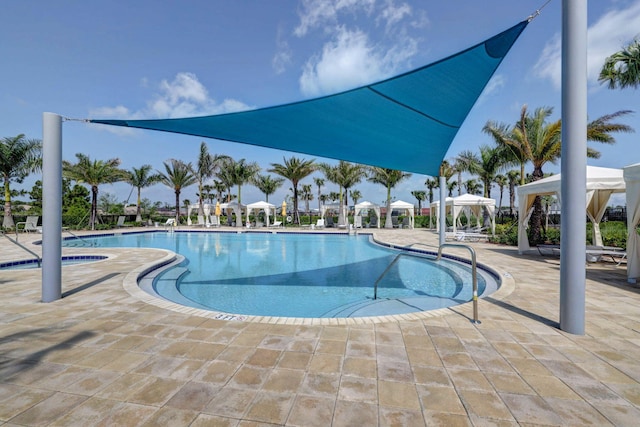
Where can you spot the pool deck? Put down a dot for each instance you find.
(103, 357)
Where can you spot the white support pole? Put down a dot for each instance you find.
(573, 166)
(51, 207)
(443, 210)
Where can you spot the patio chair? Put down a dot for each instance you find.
(215, 221)
(357, 221)
(171, 222)
(406, 222)
(394, 222)
(320, 223)
(31, 224)
(328, 222)
(201, 222)
(595, 253)
(373, 222)
(121, 223)
(275, 224)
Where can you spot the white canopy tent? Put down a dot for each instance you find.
(601, 183)
(631, 176)
(407, 207)
(342, 212)
(268, 209)
(368, 205)
(236, 208)
(207, 211)
(469, 204)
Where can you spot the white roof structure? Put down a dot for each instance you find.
(261, 206)
(400, 205)
(237, 209)
(601, 183)
(631, 176)
(468, 203)
(368, 205)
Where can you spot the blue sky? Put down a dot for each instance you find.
(149, 59)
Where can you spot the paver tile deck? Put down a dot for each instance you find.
(104, 356)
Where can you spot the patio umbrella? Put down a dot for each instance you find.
(284, 211)
(218, 210)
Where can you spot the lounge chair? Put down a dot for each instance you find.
(320, 223)
(215, 221)
(31, 224)
(276, 224)
(328, 222)
(406, 222)
(394, 222)
(171, 222)
(357, 221)
(201, 222)
(121, 223)
(373, 222)
(595, 253)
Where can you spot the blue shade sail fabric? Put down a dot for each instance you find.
(406, 122)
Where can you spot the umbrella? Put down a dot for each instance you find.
(284, 210)
(218, 210)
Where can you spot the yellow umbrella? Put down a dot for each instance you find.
(284, 210)
(218, 210)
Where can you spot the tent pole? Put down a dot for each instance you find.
(51, 207)
(443, 209)
(573, 166)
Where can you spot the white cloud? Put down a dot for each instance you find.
(282, 59)
(319, 13)
(184, 96)
(350, 60)
(607, 36)
(393, 14)
(495, 84)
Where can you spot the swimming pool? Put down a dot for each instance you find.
(300, 275)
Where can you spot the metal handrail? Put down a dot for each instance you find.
(375, 285)
(474, 274)
(77, 237)
(25, 248)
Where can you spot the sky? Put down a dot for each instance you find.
(147, 60)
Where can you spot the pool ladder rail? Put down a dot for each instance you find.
(23, 247)
(474, 272)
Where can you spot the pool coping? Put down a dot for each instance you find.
(131, 285)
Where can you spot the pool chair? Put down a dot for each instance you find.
(31, 224)
(329, 222)
(171, 222)
(275, 224)
(320, 223)
(201, 222)
(215, 221)
(394, 222)
(121, 223)
(373, 222)
(357, 222)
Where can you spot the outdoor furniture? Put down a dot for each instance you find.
(276, 224)
(121, 223)
(31, 224)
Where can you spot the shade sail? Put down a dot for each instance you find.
(406, 122)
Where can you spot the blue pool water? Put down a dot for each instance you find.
(300, 275)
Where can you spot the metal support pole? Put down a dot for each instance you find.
(442, 210)
(51, 207)
(573, 166)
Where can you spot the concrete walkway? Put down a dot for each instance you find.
(103, 357)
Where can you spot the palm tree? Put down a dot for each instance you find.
(178, 175)
(355, 196)
(241, 172)
(537, 141)
(431, 184)
(346, 175)
(450, 187)
(389, 178)
(141, 178)
(462, 163)
(219, 187)
(421, 196)
(225, 177)
(94, 173)
(622, 69)
(295, 170)
(502, 182)
(319, 183)
(307, 195)
(472, 186)
(513, 176)
(206, 167)
(19, 157)
(267, 184)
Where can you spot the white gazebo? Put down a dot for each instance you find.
(601, 183)
(207, 211)
(342, 212)
(367, 205)
(631, 176)
(237, 208)
(400, 205)
(469, 204)
(268, 209)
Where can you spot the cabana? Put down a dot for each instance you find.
(631, 175)
(342, 212)
(601, 183)
(469, 204)
(236, 208)
(400, 205)
(207, 211)
(367, 205)
(268, 209)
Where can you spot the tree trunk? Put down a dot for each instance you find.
(138, 210)
(177, 207)
(388, 223)
(94, 206)
(7, 222)
(535, 223)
